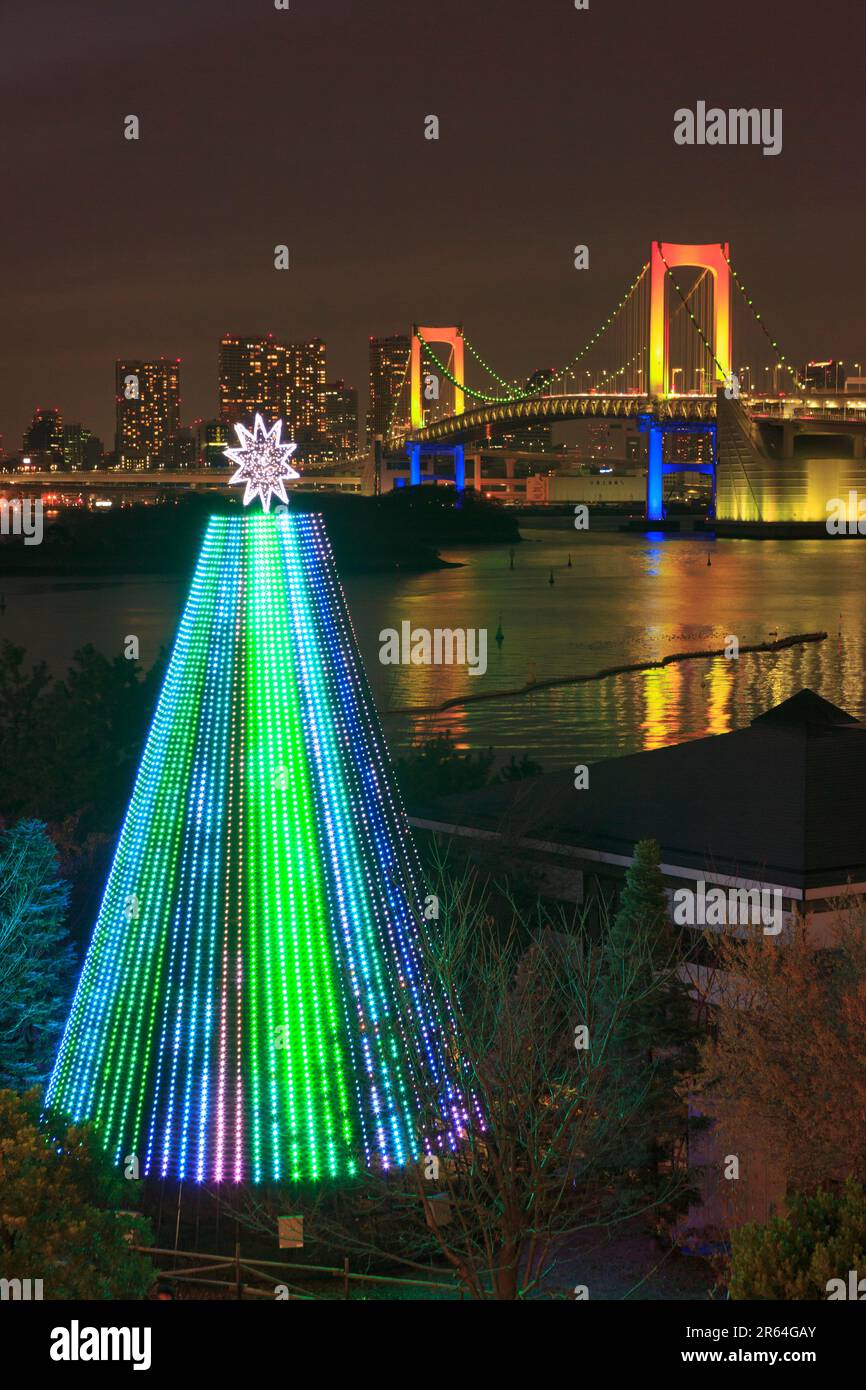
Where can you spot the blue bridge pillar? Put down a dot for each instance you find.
(655, 504)
(459, 467)
(657, 469)
(414, 464)
(457, 452)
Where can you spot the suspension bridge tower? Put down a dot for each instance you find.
(453, 338)
(665, 257)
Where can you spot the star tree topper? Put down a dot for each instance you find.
(263, 462)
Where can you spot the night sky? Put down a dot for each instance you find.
(306, 127)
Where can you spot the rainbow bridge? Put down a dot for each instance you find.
(664, 358)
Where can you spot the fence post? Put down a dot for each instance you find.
(238, 1285)
(346, 1284)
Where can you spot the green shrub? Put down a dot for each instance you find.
(61, 1209)
(794, 1256)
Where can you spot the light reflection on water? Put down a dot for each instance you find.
(624, 599)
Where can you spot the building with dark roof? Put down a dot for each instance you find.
(778, 805)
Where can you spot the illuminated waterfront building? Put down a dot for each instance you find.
(180, 450)
(147, 396)
(43, 439)
(252, 376)
(212, 436)
(304, 402)
(341, 419)
(81, 448)
(282, 380)
(389, 385)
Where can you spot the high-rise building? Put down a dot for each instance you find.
(213, 437)
(533, 438)
(43, 439)
(253, 377)
(305, 394)
(341, 419)
(389, 385)
(180, 450)
(688, 448)
(81, 448)
(276, 380)
(148, 410)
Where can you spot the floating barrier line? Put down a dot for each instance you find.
(795, 640)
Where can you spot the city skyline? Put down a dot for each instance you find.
(433, 669)
(290, 381)
(383, 226)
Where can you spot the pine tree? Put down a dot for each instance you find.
(642, 918)
(653, 1041)
(36, 958)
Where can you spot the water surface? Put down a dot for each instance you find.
(624, 599)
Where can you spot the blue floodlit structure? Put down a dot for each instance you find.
(657, 469)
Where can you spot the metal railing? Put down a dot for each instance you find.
(244, 1272)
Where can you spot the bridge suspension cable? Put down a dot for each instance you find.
(781, 360)
(630, 339)
(512, 386)
(398, 396)
(524, 394)
(712, 352)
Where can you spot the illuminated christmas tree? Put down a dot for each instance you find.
(255, 1004)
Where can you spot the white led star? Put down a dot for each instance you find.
(263, 462)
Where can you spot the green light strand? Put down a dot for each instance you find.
(390, 426)
(530, 395)
(782, 361)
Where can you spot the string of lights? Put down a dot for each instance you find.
(712, 353)
(511, 386)
(525, 395)
(398, 395)
(781, 360)
(255, 1004)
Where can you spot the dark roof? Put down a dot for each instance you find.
(782, 800)
(805, 709)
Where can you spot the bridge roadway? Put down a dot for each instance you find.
(822, 411)
(205, 478)
(571, 406)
